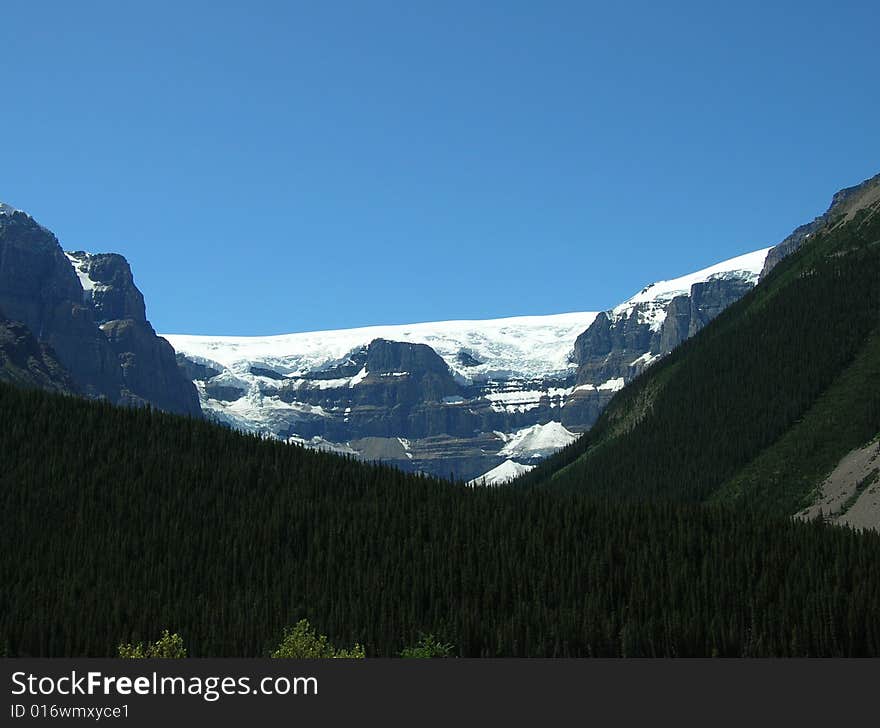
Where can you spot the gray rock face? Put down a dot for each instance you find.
(25, 362)
(87, 309)
(677, 326)
(113, 295)
(39, 288)
(398, 374)
(149, 367)
(606, 349)
(707, 300)
(621, 343)
(583, 407)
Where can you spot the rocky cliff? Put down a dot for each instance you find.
(624, 341)
(88, 312)
(25, 362)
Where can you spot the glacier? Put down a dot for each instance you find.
(466, 396)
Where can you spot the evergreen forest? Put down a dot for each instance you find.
(665, 531)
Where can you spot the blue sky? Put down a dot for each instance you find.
(274, 167)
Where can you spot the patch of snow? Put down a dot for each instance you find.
(323, 383)
(526, 346)
(80, 267)
(504, 473)
(509, 398)
(358, 378)
(537, 441)
(210, 363)
(645, 359)
(228, 379)
(514, 401)
(650, 303)
(559, 392)
(406, 446)
(514, 397)
(612, 385)
(319, 443)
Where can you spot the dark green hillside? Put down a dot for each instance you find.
(119, 523)
(790, 372)
(843, 418)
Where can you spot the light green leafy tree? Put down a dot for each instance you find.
(303, 642)
(168, 646)
(427, 647)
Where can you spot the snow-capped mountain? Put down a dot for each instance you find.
(651, 304)
(454, 397)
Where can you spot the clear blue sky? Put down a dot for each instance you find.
(272, 167)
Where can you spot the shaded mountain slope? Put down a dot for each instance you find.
(786, 475)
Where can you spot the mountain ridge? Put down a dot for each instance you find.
(504, 376)
(459, 391)
(767, 400)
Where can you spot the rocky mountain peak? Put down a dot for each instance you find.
(88, 311)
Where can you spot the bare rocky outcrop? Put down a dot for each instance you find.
(622, 342)
(850, 495)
